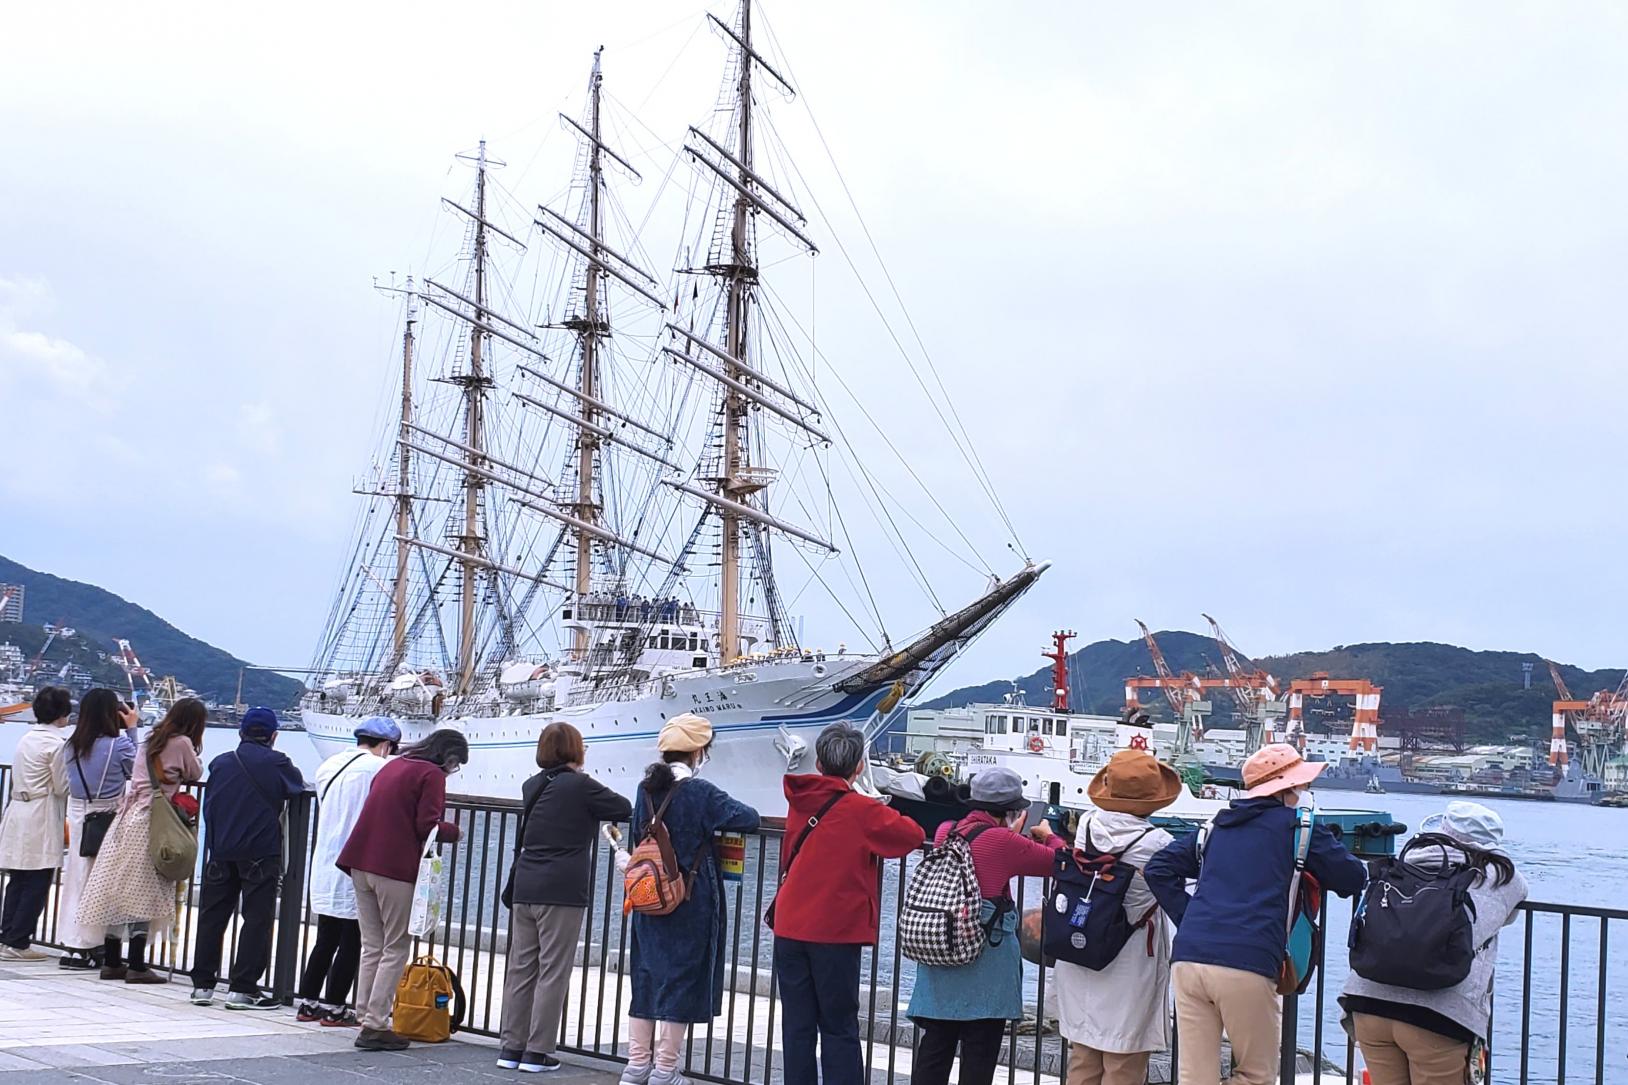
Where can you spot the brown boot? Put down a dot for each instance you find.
(113, 972)
(145, 975)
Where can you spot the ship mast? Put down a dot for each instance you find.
(731, 486)
(587, 382)
(404, 493)
(475, 383)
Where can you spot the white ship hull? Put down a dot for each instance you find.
(758, 712)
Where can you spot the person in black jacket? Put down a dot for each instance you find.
(562, 808)
(243, 859)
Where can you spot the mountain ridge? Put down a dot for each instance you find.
(1416, 676)
(100, 616)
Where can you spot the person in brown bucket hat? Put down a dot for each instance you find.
(1114, 1019)
(1134, 782)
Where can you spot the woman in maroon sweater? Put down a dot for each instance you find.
(403, 808)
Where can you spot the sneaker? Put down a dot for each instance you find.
(242, 1000)
(203, 996)
(340, 1019)
(12, 953)
(509, 1060)
(668, 1077)
(78, 962)
(535, 1063)
(112, 972)
(635, 1075)
(308, 1011)
(145, 975)
(381, 1039)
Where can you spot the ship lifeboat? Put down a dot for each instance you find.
(524, 683)
(414, 689)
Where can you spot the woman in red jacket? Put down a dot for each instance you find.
(404, 808)
(827, 906)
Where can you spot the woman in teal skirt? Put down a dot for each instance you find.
(966, 1008)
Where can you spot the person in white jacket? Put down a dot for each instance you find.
(31, 828)
(1114, 1019)
(343, 782)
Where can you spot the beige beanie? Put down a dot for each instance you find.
(685, 734)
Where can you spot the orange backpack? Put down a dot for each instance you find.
(654, 883)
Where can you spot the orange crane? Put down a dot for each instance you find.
(1598, 721)
(1252, 687)
(1365, 724)
(1179, 690)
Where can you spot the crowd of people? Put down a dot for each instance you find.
(1205, 922)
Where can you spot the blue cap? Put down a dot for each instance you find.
(258, 723)
(379, 727)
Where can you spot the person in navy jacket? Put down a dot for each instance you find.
(1231, 933)
(243, 860)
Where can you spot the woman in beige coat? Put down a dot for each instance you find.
(1116, 1018)
(125, 892)
(31, 829)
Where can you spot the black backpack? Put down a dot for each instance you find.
(1084, 920)
(1415, 925)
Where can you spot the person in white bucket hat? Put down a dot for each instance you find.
(1430, 1037)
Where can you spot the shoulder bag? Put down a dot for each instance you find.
(813, 823)
(172, 839)
(520, 841)
(94, 826)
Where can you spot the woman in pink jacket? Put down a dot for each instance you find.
(968, 1006)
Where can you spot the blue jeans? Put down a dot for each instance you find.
(819, 999)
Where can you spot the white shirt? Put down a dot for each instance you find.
(343, 782)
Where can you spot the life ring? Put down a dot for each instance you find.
(1036, 744)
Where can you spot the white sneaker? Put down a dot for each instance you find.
(636, 1075)
(12, 953)
(668, 1077)
(203, 996)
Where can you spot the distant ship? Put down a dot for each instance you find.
(611, 522)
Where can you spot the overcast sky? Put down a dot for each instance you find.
(1307, 316)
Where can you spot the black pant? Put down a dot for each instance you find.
(224, 882)
(980, 1048)
(25, 900)
(334, 956)
(819, 997)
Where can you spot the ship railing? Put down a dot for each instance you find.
(1557, 1009)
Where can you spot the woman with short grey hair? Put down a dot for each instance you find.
(827, 907)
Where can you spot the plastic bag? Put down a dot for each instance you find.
(429, 892)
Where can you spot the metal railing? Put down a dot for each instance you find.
(1555, 1012)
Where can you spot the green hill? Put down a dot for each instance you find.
(1415, 677)
(99, 617)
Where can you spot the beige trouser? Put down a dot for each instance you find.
(1211, 999)
(542, 941)
(1403, 1054)
(383, 906)
(1088, 1066)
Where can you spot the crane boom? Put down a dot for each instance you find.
(1172, 693)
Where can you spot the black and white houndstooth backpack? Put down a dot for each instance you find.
(938, 923)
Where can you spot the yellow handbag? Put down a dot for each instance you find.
(429, 1002)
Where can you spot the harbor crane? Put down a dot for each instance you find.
(133, 668)
(1252, 688)
(1600, 722)
(1179, 690)
(1365, 723)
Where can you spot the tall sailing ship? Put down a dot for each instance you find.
(589, 519)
